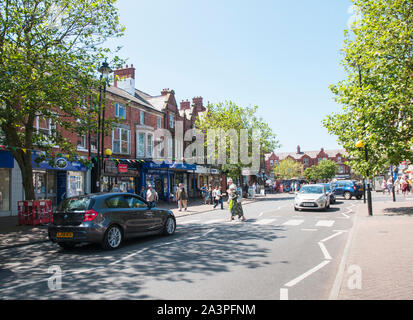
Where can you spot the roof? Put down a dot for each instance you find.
(124, 94)
(311, 154)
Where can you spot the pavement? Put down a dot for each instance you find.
(12, 235)
(377, 261)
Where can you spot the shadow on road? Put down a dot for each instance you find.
(399, 211)
(195, 249)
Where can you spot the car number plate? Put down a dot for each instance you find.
(64, 235)
(308, 204)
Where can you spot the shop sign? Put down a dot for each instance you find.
(122, 168)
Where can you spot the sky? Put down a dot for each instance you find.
(278, 55)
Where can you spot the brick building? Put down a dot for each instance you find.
(309, 159)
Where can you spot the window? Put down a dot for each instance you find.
(142, 117)
(120, 141)
(134, 202)
(150, 146)
(159, 147)
(159, 123)
(170, 148)
(171, 121)
(305, 161)
(120, 111)
(271, 163)
(340, 169)
(338, 159)
(81, 142)
(141, 145)
(45, 127)
(117, 202)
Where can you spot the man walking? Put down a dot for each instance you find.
(218, 197)
(182, 197)
(151, 195)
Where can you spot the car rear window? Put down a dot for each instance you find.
(76, 204)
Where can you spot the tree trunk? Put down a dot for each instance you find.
(24, 160)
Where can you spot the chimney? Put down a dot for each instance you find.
(197, 102)
(125, 79)
(185, 105)
(298, 150)
(164, 92)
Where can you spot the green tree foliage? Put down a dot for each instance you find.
(229, 116)
(50, 51)
(377, 95)
(288, 169)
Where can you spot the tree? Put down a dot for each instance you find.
(326, 170)
(377, 94)
(310, 174)
(288, 169)
(229, 117)
(50, 51)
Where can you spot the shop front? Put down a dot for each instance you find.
(166, 176)
(6, 166)
(63, 180)
(121, 176)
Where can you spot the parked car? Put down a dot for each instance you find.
(312, 196)
(348, 189)
(107, 219)
(330, 192)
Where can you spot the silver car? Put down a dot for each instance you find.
(313, 197)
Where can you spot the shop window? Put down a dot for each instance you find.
(4, 190)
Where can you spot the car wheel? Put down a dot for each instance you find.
(170, 226)
(347, 195)
(359, 197)
(113, 238)
(67, 245)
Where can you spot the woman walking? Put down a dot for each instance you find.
(234, 205)
(181, 197)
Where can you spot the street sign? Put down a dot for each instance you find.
(122, 168)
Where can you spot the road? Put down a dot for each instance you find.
(276, 254)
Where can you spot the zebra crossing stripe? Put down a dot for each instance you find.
(325, 223)
(293, 222)
(264, 221)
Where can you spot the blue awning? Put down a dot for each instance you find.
(60, 164)
(6, 160)
(169, 165)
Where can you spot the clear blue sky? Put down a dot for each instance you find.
(279, 55)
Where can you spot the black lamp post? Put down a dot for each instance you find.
(104, 70)
(360, 145)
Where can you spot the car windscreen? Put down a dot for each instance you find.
(311, 189)
(75, 204)
(328, 187)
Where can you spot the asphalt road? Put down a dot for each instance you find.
(276, 254)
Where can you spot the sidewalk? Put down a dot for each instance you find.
(13, 235)
(382, 246)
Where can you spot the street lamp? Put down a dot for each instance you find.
(104, 70)
(359, 145)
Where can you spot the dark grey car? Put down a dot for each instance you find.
(107, 219)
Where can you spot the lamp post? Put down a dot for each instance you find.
(104, 70)
(360, 145)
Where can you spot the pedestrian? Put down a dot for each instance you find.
(209, 195)
(405, 186)
(218, 197)
(234, 205)
(182, 197)
(204, 192)
(390, 185)
(384, 186)
(142, 194)
(151, 195)
(397, 185)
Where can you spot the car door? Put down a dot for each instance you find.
(143, 217)
(121, 212)
(339, 189)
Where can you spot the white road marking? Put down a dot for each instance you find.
(264, 221)
(307, 274)
(283, 294)
(325, 223)
(324, 250)
(189, 221)
(293, 222)
(214, 221)
(333, 236)
(261, 214)
(309, 229)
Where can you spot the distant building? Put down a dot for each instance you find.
(309, 159)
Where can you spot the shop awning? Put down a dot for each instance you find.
(169, 165)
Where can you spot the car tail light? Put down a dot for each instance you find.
(90, 215)
(354, 188)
